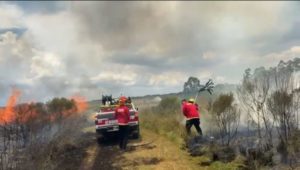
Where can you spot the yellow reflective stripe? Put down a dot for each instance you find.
(192, 118)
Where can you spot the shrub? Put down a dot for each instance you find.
(165, 119)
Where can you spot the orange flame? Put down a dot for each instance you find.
(80, 106)
(81, 103)
(28, 113)
(8, 115)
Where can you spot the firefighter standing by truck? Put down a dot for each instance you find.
(190, 111)
(123, 116)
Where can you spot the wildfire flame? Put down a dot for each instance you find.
(8, 115)
(81, 103)
(27, 113)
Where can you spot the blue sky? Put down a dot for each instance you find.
(47, 7)
(52, 49)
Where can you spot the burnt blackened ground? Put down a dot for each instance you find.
(255, 153)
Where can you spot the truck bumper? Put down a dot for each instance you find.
(133, 127)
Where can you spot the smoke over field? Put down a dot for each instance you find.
(58, 58)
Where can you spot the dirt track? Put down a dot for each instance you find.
(159, 154)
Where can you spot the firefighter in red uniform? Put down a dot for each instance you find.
(183, 103)
(190, 111)
(123, 116)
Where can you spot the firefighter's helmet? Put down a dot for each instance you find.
(191, 100)
(122, 99)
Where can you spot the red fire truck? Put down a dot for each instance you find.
(106, 122)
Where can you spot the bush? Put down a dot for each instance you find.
(165, 119)
(36, 129)
(169, 105)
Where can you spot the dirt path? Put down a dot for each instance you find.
(159, 154)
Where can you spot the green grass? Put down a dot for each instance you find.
(169, 123)
(164, 124)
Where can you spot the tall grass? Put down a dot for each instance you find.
(165, 119)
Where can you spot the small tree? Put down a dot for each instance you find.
(226, 116)
(253, 94)
(192, 85)
(283, 105)
(61, 107)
